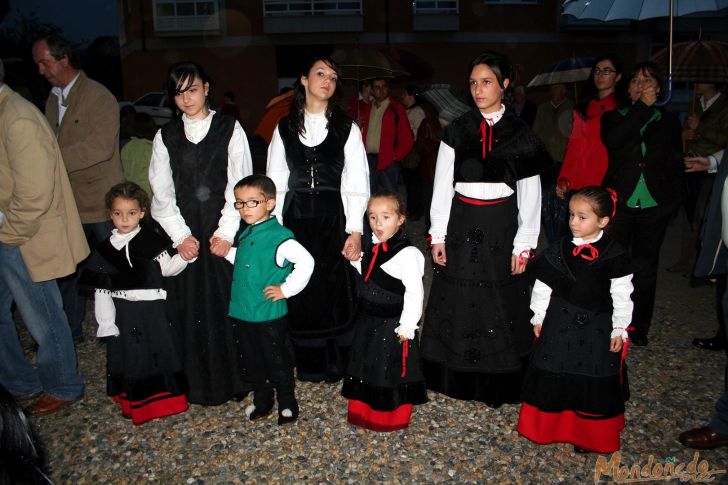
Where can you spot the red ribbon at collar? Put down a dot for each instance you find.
(593, 252)
(375, 251)
(486, 134)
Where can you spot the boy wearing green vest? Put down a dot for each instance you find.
(270, 266)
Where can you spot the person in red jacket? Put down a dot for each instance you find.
(387, 136)
(585, 161)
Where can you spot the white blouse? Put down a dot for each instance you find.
(105, 310)
(408, 266)
(620, 289)
(528, 191)
(164, 202)
(354, 178)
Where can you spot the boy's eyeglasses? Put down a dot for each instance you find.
(250, 204)
(603, 72)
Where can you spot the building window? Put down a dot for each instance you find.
(186, 15)
(311, 7)
(425, 7)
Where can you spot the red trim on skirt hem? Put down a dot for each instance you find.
(591, 433)
(361, 414)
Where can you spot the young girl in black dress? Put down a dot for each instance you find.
(575, 389)
(384, 379)
(144, 371)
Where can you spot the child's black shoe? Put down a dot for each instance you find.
(288, 414)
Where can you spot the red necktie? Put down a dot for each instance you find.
(486, 133)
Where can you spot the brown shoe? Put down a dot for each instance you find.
(703, 439)
(46, 404)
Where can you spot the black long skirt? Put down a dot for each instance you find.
(321, 316)
(477, 337)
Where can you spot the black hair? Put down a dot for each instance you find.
(298, 105)
(399, 203)
(60, 47)
(412, 90)
(590, 89)
(363, 83)
(258, 181)
(603, 201)
(128, 191)
(180, 78)
(501, 67)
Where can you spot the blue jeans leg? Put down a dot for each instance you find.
(39, 304)
(719, 422)
(74, 302)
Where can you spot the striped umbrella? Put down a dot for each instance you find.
(450, 102)
(571, 70)
(698, 61)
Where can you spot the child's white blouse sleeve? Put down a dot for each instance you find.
(172, 265)
(621, 289)
(240, 164)
(540, 299)
(303, 263)
(105, 314)
(409, 267)
(164, 200)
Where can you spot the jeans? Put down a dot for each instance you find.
(74, 302)
(387, 179)
(39, 304)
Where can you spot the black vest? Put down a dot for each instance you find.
(516, 152)
(381, 295)
(317, 168)
(199, 171)
(107, 268)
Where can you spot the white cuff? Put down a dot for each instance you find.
(537, 319)
(107, 330)
(406, 332)
(619, 332)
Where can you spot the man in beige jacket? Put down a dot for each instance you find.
(85, 118)
(41, 239)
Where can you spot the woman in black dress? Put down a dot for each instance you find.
(317, 160)
(485, 215)
(197, 159)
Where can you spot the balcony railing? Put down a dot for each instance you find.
(273, 8)
(186, 15)
(425, 7)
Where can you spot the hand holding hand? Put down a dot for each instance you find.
(189, 249)
(219, 246)
(352, 247)
(439, 255)
(273, 293)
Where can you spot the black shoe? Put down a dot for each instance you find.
(712, 343)
(581, 450)
(288, 419)
(638, 340)
(258, 412)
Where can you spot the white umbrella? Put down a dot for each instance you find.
(607, 10)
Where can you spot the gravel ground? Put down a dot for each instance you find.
(674, 387)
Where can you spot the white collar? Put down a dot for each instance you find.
(493, 118)
(62, 93)
(197, 121)
(707, 103)
(120, 241)
(579, 241)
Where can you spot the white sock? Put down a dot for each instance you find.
(249, 409)
(287, 413)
